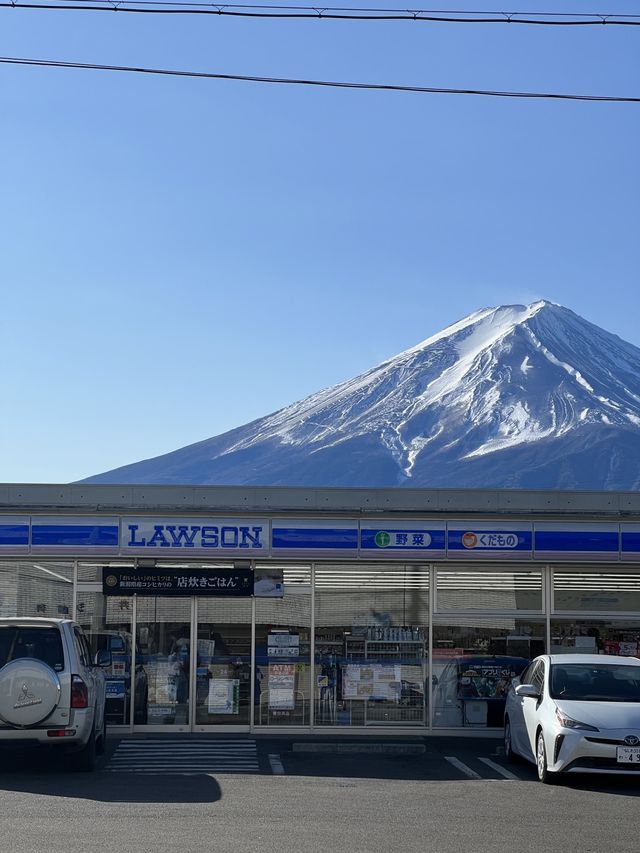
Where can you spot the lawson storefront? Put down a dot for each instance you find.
(267, 609)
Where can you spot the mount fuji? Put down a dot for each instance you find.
(518, 396)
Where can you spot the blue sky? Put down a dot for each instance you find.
(179, 257)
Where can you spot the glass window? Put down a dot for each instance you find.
(484, 589)
(596, 591)
(371, 626)
(80, 649)
(106, 622)
(91, 571)
(283, 647)
(474, 662)
(596, 636)
(36, 589)
(583, 682)
(537, 677)
(40, 642)
(526, 675)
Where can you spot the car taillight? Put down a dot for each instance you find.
(79, 693)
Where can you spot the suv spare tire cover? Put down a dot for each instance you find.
(29, 691)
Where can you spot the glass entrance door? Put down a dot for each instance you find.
(193, 663)
(223, 666)
(163, 662)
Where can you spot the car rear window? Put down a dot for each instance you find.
(40, 642)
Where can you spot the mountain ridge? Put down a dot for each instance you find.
(486, 402)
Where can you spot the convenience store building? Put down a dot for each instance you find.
(262, 609)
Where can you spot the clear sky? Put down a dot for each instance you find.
(179, 257)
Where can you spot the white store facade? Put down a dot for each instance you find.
(355, 610)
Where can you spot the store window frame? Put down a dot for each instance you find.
(548, 611)
(479, 568)
(400, 565)
(602, 569)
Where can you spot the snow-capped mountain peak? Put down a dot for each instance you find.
(503, 384)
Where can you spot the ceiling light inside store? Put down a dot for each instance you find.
(53, 574)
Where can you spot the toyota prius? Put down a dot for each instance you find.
(575, 713)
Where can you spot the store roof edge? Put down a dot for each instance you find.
(105, 498)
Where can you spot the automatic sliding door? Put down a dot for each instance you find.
(223, 666)
(163, 656)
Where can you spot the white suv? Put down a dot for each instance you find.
(51, 693)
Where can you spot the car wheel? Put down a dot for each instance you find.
(509, 754)
(541, 761)
(85, 759)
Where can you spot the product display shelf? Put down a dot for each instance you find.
(381, 649)
(384, 648)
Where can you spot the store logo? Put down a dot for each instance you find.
(111, 580)
(469, 540)
(382, 539)
(632, 740)
(195, 536)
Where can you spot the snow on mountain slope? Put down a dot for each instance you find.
(487, 401)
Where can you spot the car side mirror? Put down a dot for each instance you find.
(103, 658)
(529, 691)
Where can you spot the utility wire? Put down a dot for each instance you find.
(158, 7)
(50, 63)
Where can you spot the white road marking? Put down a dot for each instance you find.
(499, 769)
(276, 765)
(462, 767)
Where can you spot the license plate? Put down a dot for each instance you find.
(628, 755)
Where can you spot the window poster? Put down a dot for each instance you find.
(282, 678)
(372, 681)
(224, 696)
(283, 645)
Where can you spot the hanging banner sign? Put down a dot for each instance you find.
(157, 581)
(185, 536)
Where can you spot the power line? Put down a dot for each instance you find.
(166, 7)
(388, 87)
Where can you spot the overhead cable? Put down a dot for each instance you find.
(388, 87)
(165, 7)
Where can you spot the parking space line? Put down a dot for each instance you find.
(462, 767)
(499, 769)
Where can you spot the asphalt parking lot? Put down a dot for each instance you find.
(244, 794)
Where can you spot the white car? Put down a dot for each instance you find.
(52, 692)
(575, 713)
